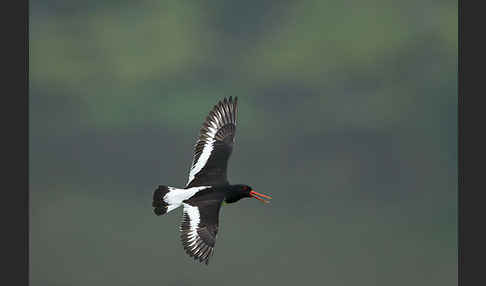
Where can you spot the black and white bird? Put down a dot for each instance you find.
(208, 187)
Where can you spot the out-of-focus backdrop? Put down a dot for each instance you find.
(347, 117)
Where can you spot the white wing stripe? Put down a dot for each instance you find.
(206, 152)
(201, 162)
(194, 219)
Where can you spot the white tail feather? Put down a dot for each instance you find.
(175, 196)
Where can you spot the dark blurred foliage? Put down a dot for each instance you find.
(347, 118)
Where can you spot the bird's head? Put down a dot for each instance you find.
(239, 192)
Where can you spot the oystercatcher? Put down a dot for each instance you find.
(208, 187)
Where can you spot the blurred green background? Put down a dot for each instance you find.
(347, 117)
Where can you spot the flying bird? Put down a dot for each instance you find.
(207, 187)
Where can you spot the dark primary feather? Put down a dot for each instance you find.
(218, 131)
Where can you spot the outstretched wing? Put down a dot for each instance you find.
(214, 146)
(199, 229)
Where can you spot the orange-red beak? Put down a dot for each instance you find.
(255, 195)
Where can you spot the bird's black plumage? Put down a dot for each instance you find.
(208, 185)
